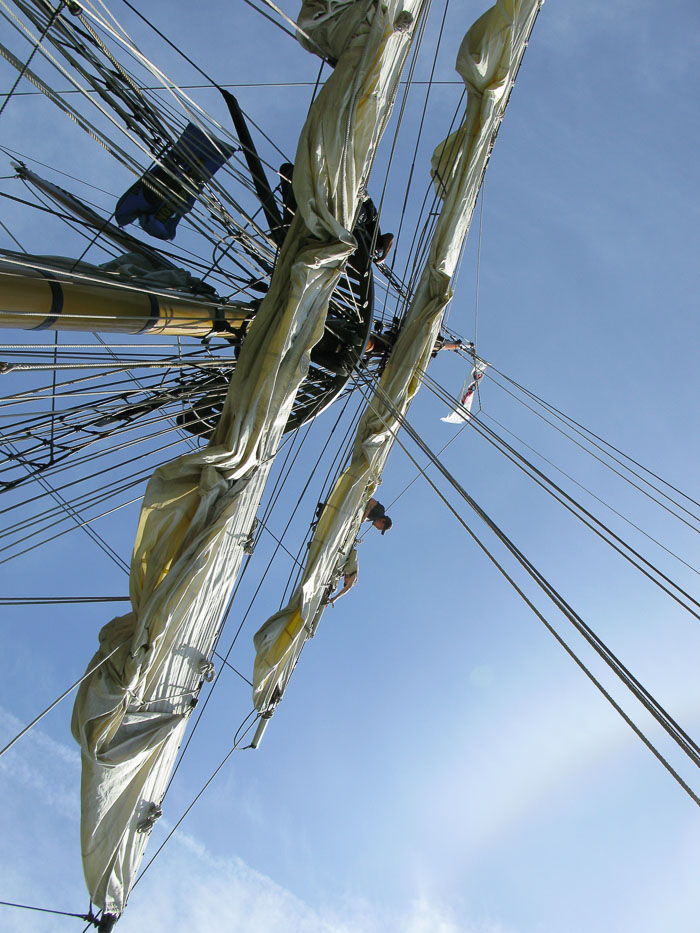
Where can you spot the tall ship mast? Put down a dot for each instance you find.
(230, 302)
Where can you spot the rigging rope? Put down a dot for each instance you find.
(295, 26)
(38, 42)
(58, 600)
(478, 268)
(45, 910)
(420, 129)
(109, 551)
(274, 495)
(583, 431)
(234, 748)
(211, 81)
(38, 719)
(239, 84)
(585, 516)
(690, 748)
(593, 495)
(662, 717)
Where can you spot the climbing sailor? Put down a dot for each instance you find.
(350, 574)
(375, 513)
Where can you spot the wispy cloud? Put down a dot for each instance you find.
(188, 888)
(194, 890)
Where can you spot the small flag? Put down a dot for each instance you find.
(466, 396)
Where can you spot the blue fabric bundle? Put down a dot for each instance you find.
(167, 191)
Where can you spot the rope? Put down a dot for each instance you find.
(58, 600)
(297, 28)
(273, 499)
(594, 496)
(122, 366)
(647, 701)
(203, 73)
(586, 517)
(212, 206)
(38, 719)
(337, 464)
(90, 917)
(478, 267)
(234, 748)
(420, 127)
(234, 669)
(109, 551)
(38, 42)
(208, 87)
(279, 542)
(582, 431)
(421, 472)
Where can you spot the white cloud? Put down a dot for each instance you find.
(187, 888)
(37, 764)
(193, 890)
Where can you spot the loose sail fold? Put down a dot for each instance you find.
(488, 60)
(198, 511)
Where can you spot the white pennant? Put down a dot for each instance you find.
(466, 396)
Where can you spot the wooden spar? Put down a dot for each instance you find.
(81, 210)
(33, 298)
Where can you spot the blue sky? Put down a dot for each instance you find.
(438, 762)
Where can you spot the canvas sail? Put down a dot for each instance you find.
(198, 511)
(488, 60)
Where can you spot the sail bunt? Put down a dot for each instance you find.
(198, 511)
(488, 60)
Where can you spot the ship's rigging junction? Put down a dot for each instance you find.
(120, 356)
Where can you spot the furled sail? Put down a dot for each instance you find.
(488, 60)
(198, 511)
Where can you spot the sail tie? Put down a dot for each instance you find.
(249, 543)
(207, 670)
(403, 21)
(149, 821)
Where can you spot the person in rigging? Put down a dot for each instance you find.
(350, 575)
(376, 514)
(380, 343)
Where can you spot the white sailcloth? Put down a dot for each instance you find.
(466, 396)
(488, 60)
(198, 511)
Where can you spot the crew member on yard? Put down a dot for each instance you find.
(375, 513)
(350, 574)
